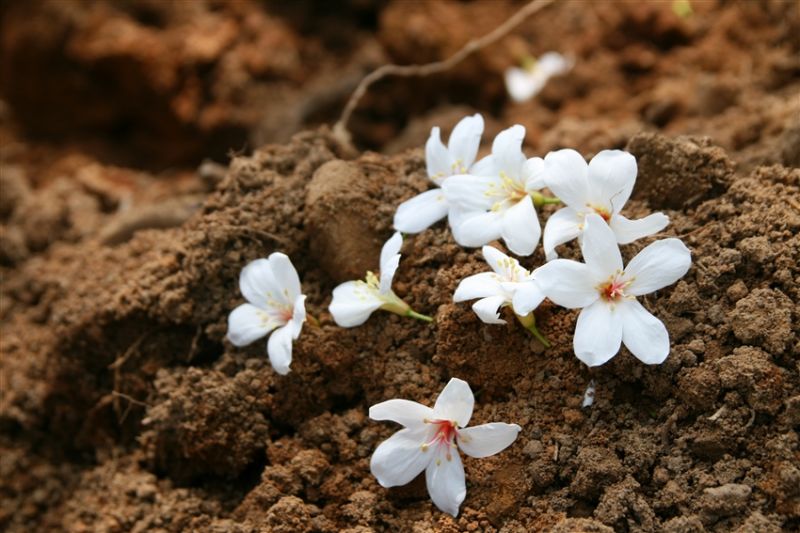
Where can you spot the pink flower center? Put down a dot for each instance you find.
(445, 435)
(614, 289)
(604, 213)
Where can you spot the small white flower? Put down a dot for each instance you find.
(610, 314)
(603, 186)
(496, 199)
(430, 441)
(272, 288)
(525, 83)
(424, 210)
(354, 301)
(588, 395)
(508, 285)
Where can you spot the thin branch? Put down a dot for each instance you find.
(340, 128)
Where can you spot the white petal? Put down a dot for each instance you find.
(527, 297)
(497, 260)
(478, 286)
(659, 264)
(258, 284)
(469, 193)
(627, 230)
(643, 334)
(421, 212)
(352, 304)
(279, 348)
(562, 226)
(599, 248)
(248, 323)
(478, 229)
(390, 260)
(487, 309)
(484, 167)
(446, 482)
(567, 283)
(533, 174)
(455, 402)
(437, 158)
(598, 333)
(566, 174)
(553, 64)
(487, 439)
(298, 316)
(507, 151)
(465, 141)
(285, 276)
(521, 85)
(399, 459)
(521, 229)
(409, 414)
(612, 174)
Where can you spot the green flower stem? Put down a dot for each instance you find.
(529, 322)
(413, 314)
(539, 199)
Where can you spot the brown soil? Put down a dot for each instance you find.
(123, 408)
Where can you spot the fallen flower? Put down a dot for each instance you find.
(354, 301)
(603, 186)
(524, 83)
(430, 441)
(275, 302)
(424, 210)
(588, 395)
(497, 198)
(610, 314)
(508, 285)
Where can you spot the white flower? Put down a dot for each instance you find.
(611, 314)
(508, 285)
(603, 186)
(496, 199)
(425, 209)
(354, 301)
(272, 288)
(430, 441)
(525, 83)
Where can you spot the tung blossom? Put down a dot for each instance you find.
(275, 302)
(602, 187)
(525, 83)
(424, 210)
(430, 441)
(496, 199)
(354, 301)
(508, 284)
(607, 293)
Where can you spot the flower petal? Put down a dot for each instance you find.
(487, 439)
(598, 333)
(533, 174)
(659, 264)
(527, 297)
(421, 212)
(507, 151)
(352, 303)
(455, 402)
(521, 229)
(612, 174)
(478, 286)
(390, 260)
(643, 334)
(469, 193)
(521, 84)
(478, 229)
(399, 459)
(298, 316)
(446, 481)
(627, 230)
(599, 248)
(437, 158)
(465, 141)
(567, 283)
(497, 261)
(566, 174)
(409, 414)
(285, 276)
(258, 284)
(484, 167)
(248, 323)
(562, 226)
(279, 348)
(487, 309)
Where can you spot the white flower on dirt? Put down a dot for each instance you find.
(607, 293)
(275, 302)
(603, 186)
(508, 284)
(497, 198)
(525, 83)
(430, 441)
(354, 301)
(424, 210)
